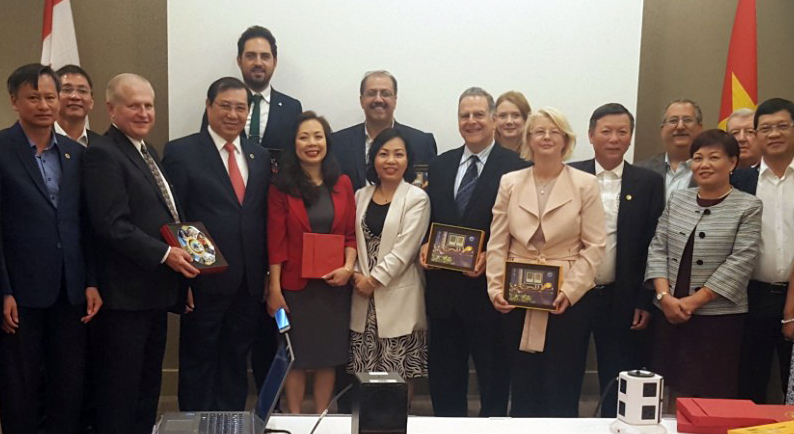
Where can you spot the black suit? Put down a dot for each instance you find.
(93, 137)
(618, 348)
(762, 328)
(349, 148)
(127, 210)
(215, 339)
(45, 265)
(462, 320)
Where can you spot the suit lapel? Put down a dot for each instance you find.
(360, 155)
(26, 157)
(254, 174)
(70, 171)
(215, 162)
(447, 179)
(628, 193)
(127, 148)
(299, 210)
(561, 193)
(392, 222)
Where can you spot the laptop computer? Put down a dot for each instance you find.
(236, 422)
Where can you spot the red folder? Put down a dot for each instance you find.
(699, 415)
(322, 253)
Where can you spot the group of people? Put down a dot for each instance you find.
(681, 263)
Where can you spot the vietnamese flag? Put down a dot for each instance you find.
(58, 40)
(740, 86)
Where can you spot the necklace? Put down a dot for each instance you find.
(383, 197)
(544, 186)
(721, 197)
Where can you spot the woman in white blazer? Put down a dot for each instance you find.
(388, 322)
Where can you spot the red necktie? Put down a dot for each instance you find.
(234, 173)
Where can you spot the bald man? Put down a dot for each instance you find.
(129, 199)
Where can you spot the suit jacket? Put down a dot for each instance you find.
(205, 192)
(41, 246)
(92, 137)
(725, 248)
(659, 165)
(287, 221)
(348, 148)
(400, 302)
(450, 292)
(745, 180)
(641, 203)
(127, 210)
(573, 226)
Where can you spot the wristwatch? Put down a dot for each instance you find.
(659, 295)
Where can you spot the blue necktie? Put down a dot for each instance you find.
(467, 185)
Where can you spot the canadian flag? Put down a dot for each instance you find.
(59, 44)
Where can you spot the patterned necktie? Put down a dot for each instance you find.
(253, 131)
(467, 185)
(234, 173)
(158, 178)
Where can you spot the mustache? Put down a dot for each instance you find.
(377, 105)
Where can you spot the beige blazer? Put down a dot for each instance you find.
(400, 302)
(574, 228)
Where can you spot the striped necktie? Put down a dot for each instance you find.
(467, 185)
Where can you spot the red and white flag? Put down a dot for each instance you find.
(59, 44)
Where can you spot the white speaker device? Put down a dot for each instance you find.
(639, 403)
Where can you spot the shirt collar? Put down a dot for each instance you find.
(53, 142)
(683, 163)
(482, 155)
(135, 142)
(763, 168)
(366, 130)
(617, 171)
(83, 139)
(220, 142)
(265, 94)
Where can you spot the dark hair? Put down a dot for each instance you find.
(380, 140)
(29, 74)
(74, 69)
(291, 178)
(716, 137)
(771, 106)
(257, 32)
(609, 109)
(378, 73)
(222, 85)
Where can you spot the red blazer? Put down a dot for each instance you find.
(287, 220)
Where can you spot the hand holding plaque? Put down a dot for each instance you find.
(532, 286)
(194, 238)
(453, 247)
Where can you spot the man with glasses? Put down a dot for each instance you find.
(77, 101)
(740, 126)
(378, 98)
(221, 179)
(682, 122)
(770, 298)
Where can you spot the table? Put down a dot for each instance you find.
(340, 424)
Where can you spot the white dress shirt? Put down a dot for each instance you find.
(464, 164)
(609, 182)
(242, 164)
(368, 141)
(777, 224)
(83, 139)
(264, 111)
(678, 179)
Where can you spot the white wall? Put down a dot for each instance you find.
(570, 54)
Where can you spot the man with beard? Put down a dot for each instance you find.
(682, 122)
(378, 97)
(77, 100)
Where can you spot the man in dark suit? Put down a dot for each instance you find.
(47, 277)
(770, 296)
(77, 101)
(462, 187)
(221, 180)
(378, 97)
(682, 122)
(129, 199)
(633, 200)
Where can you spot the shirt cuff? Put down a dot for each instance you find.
(167, 251)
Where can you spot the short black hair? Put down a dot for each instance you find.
(380, 140)
(257, 32)
(222, 85)
(771, 106)
(29, 74)
(74, 69)
(716, 137)
(609, 109)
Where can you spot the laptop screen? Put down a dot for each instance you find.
(274, 382)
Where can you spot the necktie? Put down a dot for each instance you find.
(158, 178)
(467, 185)
(253, 131)
(234, 173)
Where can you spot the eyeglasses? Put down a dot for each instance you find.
(372, 93)
(237, 108)
(541, 133)
(687, 120)
(783, 127)
(747, 132)
(80, 90)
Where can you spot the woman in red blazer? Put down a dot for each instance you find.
(310, 195)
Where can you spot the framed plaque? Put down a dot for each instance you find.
(421, 175)
(194, 238)
(454, 247)
(532, 286)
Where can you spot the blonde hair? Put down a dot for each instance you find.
(558, 119)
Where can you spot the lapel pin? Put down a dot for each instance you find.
(251, 156)
(279, 104)
(628, 197)
(67, 155)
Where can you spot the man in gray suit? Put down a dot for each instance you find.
(682, 122)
